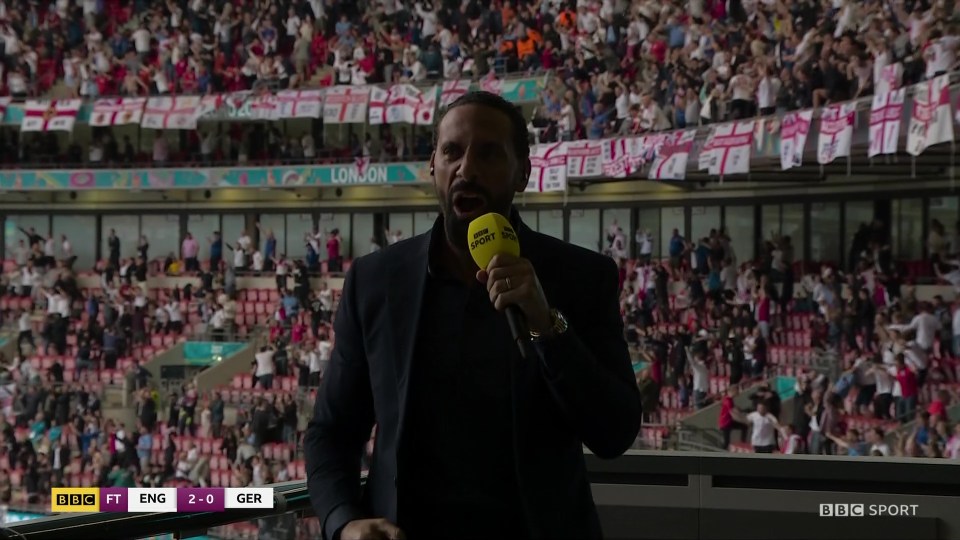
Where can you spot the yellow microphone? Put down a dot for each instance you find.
(490, 235)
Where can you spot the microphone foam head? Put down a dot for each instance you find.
(489, 235)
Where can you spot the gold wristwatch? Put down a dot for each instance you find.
(559, 326)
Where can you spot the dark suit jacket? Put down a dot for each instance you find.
(589, 397)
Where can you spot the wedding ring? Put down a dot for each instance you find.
(509, 287)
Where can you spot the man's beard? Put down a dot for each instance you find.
(456, 228)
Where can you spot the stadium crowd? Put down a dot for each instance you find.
(885, 358)
(85, 341)
(622, 66)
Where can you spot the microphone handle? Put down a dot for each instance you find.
(518, 328)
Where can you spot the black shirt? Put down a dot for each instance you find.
(457, 468)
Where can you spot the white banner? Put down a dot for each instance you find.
(727, 150)
(402, 104)
(178, 112)
(427, 107)
(931, 122)
(584, 159)
(889, 78)
(117, 111)
(672, 156)
(378, 105)
(794, 129)
(836, 132)
(300, 103)
(616, 157)
(345, 104)
(452, 90)
(885, 116)
(548, 170)
(57, 115)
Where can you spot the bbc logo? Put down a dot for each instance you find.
(75, 500)
(842, 510)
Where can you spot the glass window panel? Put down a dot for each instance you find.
(944, 210)
(298, 227)
(648, 221)
(529, 217)
(825, 235)
(585, 228)
(233, 225)
(857, 213)
(401, 223)
(551, 222)
(363, 235)
(618, 217)
(739, 222)
(277, 224)
(329, 222)
(81, 231)
(770, 221)
(40, 223)
(792, 225)
(703, 219)
(670, 219)
(128, 231)
(423, 222)
(13, 234)
(202, 227)
(907, 229)
(163, 232)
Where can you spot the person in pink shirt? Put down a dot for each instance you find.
(334, 261)
(189, 249)
(763, 313)
(907, 378)
(297, 332)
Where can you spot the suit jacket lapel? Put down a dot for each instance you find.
(406, 281)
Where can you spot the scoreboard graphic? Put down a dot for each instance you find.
(159, 499)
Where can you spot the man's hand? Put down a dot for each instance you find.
(512, 281)
(371, 529)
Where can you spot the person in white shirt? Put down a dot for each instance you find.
(174, 316)
(763, 435)
(160, 319)
(24, 332)
(866, 381)
(66, 250)
(239, 258)
(264, 367)
(326, 301)
(883, 397)
(309, 146)
(216, 325)
(315, 370)
(50, 247)
(926, 326)
(940, 53)
(701, 378)
(257, 261)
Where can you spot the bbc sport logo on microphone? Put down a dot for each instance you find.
(867, 510)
